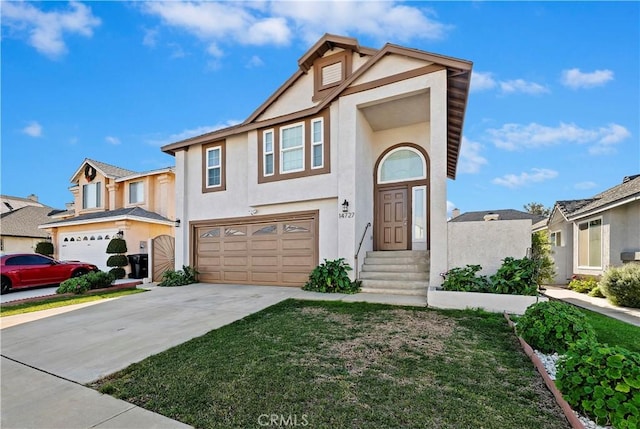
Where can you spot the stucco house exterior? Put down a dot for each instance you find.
(19, 220)
(349, 156)
(590, 235)
(110, 200)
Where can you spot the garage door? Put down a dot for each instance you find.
(278, 251)
(86, 246)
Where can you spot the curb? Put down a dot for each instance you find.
(537, 363)
(128, 285)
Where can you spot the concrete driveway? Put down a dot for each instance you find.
(46, 362)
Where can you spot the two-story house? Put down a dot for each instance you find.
(110, 200)
(350, 155)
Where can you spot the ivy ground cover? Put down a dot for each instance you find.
(328, 365)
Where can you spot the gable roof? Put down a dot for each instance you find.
(458, 80)
(507, 214)
(132, 213)
(23, 222)
(627, 191)
(107, 170)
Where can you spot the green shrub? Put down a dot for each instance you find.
(541, 254)
(331, 276)
(117, 261)
(603, 382)
(466, 280)
(117, 273)
(583, 283)
(99, 279)
(596, 292)
(75, 285)
(552, 326)
(44, 248)
(182, 277)
(621, 285)
(117, 245)
(516, 277)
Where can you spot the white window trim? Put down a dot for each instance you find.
(555, 242)
(265, 153)
(209, 167)
(282, 150)
(589, 267)
(320, 143)
(133, 203)
(424, 166)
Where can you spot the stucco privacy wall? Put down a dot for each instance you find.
(487, 243)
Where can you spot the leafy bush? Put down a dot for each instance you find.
(583, 284)
(89, 281)
(117, 261)
(182, 277)
(117, 245)
(516, 277)
(466, 280)
(44, 248)
(621, 285)
(117, 273)
(331, 276)
(552, 326)
(541, 254)
(603, 382)
(596, 292)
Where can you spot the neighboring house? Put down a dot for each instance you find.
(485, 238)
(356, 136)
(589, 235)
(110, 200)
(19, 232)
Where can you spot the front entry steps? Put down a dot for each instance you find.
(403, 272)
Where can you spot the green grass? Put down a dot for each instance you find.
(613, 331)
(46, 304)
(337, 365)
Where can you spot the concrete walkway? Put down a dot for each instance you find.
(48, 358)
(599, 305)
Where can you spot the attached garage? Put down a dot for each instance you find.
(279, 250)
(86, 246)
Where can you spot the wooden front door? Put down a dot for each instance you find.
(392, 219)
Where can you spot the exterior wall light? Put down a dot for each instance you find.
(345, 206)
(177, 223)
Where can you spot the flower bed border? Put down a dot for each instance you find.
(492, 302)
(551, 385)
(128, 285)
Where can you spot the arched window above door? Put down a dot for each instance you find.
(401, 165)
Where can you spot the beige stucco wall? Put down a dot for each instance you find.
(562, 255)
(19, 244)
(625, 231)
(487, 243)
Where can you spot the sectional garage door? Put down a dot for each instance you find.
(269, 250)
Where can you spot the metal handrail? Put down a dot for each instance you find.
(360, 246)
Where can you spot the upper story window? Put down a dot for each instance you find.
(136, 192)
(295, 149)
(213, 167)
(91, 195)
(292, 148)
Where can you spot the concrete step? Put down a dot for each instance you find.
(393, 275)
(396, 268)
(398, 253)
(395, 284)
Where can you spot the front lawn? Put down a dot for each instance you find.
(345, 365)
(613, 331)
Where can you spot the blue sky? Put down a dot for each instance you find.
(553, 112)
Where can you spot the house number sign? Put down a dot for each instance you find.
(347, 215)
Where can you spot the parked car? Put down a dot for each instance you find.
(29, 269)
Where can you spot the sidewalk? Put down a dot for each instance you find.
(599, 305)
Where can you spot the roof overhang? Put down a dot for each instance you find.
(604, 208)
(106, 220)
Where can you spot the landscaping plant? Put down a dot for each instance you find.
(621, 285)
(117, 247)
(89, 281)
(603, 382)
(553, 326)
(332, 276)
(465, 280)
(44, 248)
(541, 253)
(583, 284)
(516, 277)
(185, 276)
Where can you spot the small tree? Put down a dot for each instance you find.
(541, 254)
(44, 248)
(117, 248)
(537, 208)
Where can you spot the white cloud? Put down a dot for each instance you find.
(575, 79)
(521, 85)
(537, 175)
(470, 158)
(255, 61)
(191, 132)
(112, 140)
(34, 129)
(47, 29)
(585, 185)
(481, 81)
(150, 38)
(277, 22)
(518, 136)
(176, 51)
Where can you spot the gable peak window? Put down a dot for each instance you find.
(91, 195)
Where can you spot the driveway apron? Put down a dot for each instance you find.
(46, 362)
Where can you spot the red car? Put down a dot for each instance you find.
(31, 269)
